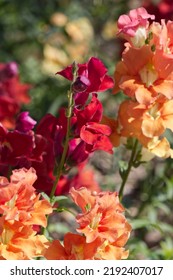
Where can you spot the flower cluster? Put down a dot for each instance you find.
(40, 156)
(21, 209)
(145, 75)
(42, 149)
(103, 227)
(37, 160)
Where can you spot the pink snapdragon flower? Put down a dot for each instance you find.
(133, 27)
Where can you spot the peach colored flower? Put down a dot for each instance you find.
(148, 124)
(160, 147)
(153, 120)
(113, 124)
(74, 248)
(83, 198)
(130, 120)
(102, 215)
(162, 36)
(147, 78)
(157, 119)
(108, 251)
(102, 220)
(20, 242)
(19, 201)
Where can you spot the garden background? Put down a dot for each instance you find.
(43, 37)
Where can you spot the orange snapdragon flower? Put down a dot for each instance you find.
(160, 147)
(148, 124)
(145, 72)
(103, 225)
(75, 247)
(113, 124)
(108, 251)
(20, 210)
(102, 216)
(162, 36)
(20, 242)
(145, 79)
(19, 201)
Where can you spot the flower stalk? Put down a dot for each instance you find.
(65, 150)
(131, 163)
(69, 113)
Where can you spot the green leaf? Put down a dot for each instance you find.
(140, 223)
(59, 198)
(63, 209)
(123, 165)
(45, 196)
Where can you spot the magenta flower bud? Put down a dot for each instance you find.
(81, 84)
(11, 69)
(8, 71)
(77, 152)
(24, 122)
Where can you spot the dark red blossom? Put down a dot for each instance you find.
(14, 145)
(12, 93)
(161, 10)
(46, 130)
(47, 126)
(8, 71)
(21, 147)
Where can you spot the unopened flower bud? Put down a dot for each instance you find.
(81, 84)
(11, 69)
(8, 71)
(24, 122)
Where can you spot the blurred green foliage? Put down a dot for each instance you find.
(25, 29)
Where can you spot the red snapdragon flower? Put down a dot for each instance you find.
(92, 112)
(84, 122)
(12, 93)
(95, 136)
(91, 77)
(20, 147)
(14, 145)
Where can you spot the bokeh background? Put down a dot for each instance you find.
(44, 36)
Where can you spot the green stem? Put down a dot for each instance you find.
(62, 162)
(62, 209)
(69, 113)
(130, 165)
